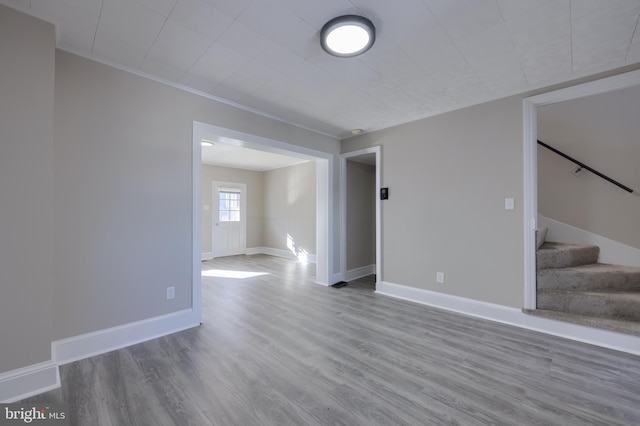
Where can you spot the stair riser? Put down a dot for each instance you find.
(567, 258)
(581, 304)
(551, 279)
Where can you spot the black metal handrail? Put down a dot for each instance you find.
(584, 166)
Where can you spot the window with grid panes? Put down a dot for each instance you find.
(229, 210)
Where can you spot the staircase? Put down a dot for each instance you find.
(572, 286)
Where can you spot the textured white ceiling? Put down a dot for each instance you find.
(229, 155)
(430, 56)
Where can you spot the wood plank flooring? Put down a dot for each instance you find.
(277, 349)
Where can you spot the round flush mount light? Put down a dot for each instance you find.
(206, 142)
(347, 36)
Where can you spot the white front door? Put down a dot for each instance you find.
(229, 218)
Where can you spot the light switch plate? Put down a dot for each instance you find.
(509, 204)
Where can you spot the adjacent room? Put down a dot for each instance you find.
(257, 202)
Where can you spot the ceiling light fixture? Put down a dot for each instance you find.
(347, 36)
(205, 142)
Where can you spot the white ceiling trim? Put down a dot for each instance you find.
(197, 92)
(188, 89)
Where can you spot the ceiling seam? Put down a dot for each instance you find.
(453, 43)
(253, 58)
(632, 37)
(427, 73)
(571, 33)
(202, 54)
(233, 21)
(515, 49)
(166, 19)
(95, 33)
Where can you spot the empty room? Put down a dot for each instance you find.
(297, 212)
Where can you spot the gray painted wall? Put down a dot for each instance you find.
(448, 176)
(96, 187)
(255, 201)
(27, 48)
(115, 224)
(290, 208)
(361, 215)
(601, 131)
(123, 191)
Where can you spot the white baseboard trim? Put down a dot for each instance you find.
(365, 271)
(458, 304)
(513, 316)
(336, 278)
(32, 380)
(25, 382)
(99, 342)
(230, 252)
(311, 258)
(208, 255)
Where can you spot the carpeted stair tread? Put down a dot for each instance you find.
(573, 287)
(562, 255)
(597, 276)
(617, 325)
(606, 304)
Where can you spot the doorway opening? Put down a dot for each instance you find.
(530, 107)
(324, 195)
(361, 215)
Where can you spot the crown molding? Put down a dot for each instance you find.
(188, 89)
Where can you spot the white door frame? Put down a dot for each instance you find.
(343, 210)
(243, 215)
(530, 107)
(324, 199)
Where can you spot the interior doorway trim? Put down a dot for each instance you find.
(343, 209)
(324, 198)
(530, 128)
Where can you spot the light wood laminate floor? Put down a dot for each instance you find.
(277, 349)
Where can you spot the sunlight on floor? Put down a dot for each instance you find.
(220, 273)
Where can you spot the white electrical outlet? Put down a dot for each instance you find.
(440, 277)
(171, 292)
